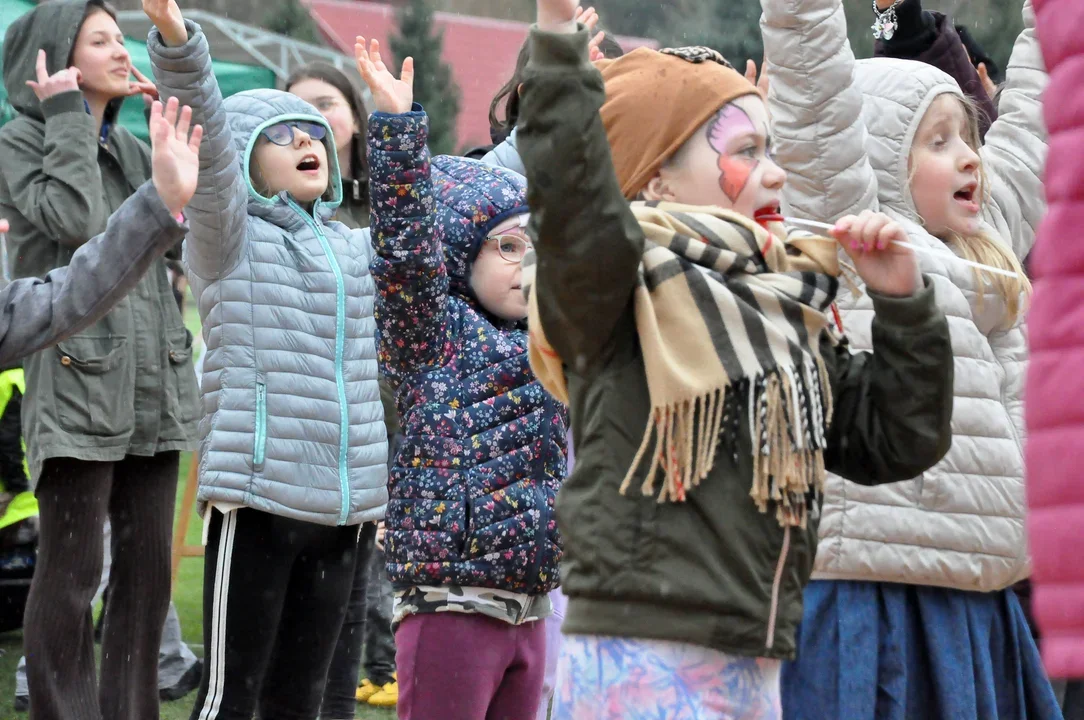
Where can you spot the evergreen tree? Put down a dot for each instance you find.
(434, 87)
(731, 27)
(288, 18)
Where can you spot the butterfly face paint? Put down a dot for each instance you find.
(735, 170)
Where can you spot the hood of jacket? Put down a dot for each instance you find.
(506, 155)
(895, 97)
(53, 27)
(472, 198)
(253, 111)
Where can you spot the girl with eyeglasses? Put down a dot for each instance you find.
(293, 444)
(472, 543)
(368, 616)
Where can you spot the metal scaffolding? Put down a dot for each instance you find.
(236, 42)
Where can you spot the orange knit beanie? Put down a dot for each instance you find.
(656, 100)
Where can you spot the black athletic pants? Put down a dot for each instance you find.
(274, 597)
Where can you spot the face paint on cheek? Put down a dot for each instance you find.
(735, 171)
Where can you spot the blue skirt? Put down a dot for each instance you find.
(882, 651)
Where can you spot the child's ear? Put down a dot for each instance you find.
(657, 189)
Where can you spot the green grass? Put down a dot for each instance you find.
(187, 595)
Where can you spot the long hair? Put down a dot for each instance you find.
(509, 94)
(350, 90)
(112, 108)
(980, 247)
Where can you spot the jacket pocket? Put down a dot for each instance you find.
(183, 397)
(260, 439)
(95, 390)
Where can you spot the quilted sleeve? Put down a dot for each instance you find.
(408, 262)
(218, 213)
(816, 109)
(1015, 149)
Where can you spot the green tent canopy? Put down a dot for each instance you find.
(232, 77)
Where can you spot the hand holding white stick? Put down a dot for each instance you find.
(815, 225)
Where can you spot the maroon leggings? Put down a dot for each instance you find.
(456, 666)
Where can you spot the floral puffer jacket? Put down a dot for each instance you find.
(473, 486)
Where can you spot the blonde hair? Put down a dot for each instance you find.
(980, 247)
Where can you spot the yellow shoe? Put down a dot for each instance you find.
(388, 697)
(366, 690)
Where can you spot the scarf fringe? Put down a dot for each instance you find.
(789, 413)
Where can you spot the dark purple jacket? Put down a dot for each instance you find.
(930, 37)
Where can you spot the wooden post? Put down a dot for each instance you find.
(180, 533)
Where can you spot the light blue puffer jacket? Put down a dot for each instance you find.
(292, 421)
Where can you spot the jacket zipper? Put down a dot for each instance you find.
(260, 444)
(774, 612)
(340, 332)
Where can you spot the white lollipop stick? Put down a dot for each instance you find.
(915, 248)
(6, 273)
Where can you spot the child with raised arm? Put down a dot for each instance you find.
(472, 541)
(708, 392)
(913, 583)
(293, 441)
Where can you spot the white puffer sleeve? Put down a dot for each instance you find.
(1015, 149)
(820, 139)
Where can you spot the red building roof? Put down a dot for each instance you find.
(481, 51)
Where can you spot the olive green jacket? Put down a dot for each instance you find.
(125, 386)
(713, 570)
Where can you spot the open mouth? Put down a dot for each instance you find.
(767, 214)
(967, 196)
(309, 164)
(122, 72)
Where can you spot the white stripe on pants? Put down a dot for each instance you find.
(216, 654)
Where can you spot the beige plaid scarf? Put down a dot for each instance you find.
(730, 318)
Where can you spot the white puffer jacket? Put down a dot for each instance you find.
(844, 131)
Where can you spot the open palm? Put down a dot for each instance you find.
(390, 95)
(174, 154)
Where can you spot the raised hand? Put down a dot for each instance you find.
(884, 266)
(391, 96)
(987, 84)
(174, 154)
(593, 51)
(166, 16)
(751, 76)
(588, 18)
(556, 15)
(48, 85)
(142, 85)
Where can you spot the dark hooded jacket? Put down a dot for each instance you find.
(472, 489)
(125, 386)
(931, 38)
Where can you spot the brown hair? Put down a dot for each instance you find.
(509, 93)
(336, 78)
(112, 109)
(980, 247)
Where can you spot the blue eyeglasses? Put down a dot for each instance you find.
(283, 133)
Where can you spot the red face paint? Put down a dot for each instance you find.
(735, 170)
(735, 175)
